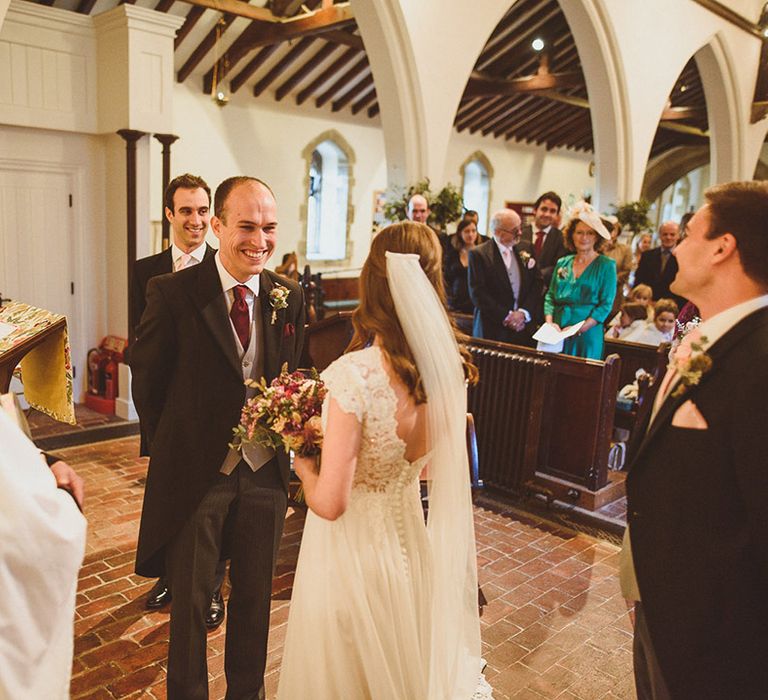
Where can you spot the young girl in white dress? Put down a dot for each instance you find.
(384, 607)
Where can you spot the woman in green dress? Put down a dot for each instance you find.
(583, 285)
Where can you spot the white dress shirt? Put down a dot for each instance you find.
(182, 259)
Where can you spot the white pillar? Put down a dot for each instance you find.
(421, 54)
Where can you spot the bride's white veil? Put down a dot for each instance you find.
(454, 664)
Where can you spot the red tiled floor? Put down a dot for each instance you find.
(555, 625)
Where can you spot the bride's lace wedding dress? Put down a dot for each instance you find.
(359, 626)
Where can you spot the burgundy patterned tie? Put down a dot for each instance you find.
(239, 315)
(538, 243)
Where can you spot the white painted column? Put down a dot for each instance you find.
(422, 54)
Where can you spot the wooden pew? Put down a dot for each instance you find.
(572, 434)
(635, 356)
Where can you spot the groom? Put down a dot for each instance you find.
(205, 330)
(697, 488)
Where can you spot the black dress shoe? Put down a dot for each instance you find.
(215, 615)
(159, 596)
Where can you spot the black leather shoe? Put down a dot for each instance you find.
(159, 596)
(215, 615)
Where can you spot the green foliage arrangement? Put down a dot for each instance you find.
(633, 215)
(446, 206)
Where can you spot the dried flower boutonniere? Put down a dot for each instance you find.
(527, 259)
(690, 361)
(278, 299)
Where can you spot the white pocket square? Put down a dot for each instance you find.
(689, 416)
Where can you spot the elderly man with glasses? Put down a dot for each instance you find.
(505, 284)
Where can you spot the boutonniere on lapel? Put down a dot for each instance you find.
(527, 259)
(278, 299)
(690, 361)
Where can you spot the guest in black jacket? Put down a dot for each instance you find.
(455, 266)
(504, 284)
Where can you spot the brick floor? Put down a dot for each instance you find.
(554, 626)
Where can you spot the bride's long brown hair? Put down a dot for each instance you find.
(376, 314)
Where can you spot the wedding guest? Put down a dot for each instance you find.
(622, 255)
(289, 267)
(641, 243)
(631, 316)
(456, 265)
(398, 617)
(505, 283)
(583, 284)
(206, 329)
(544, 235)
(657, 331)
(658, 266)
(187, 201)
(641, 294)
(696, 507)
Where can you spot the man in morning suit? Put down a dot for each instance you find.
(205, 330)
(187, 202)
(697, 505)
(546, 238)
(658, 266)
(505, 283)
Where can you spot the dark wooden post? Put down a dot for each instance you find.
(131, 136)
(166, 140)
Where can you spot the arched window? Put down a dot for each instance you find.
(327, 202)
(476, 188)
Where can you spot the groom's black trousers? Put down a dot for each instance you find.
(244, 514)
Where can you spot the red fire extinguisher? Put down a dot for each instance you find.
(110, 378)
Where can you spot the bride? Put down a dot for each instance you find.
(384, 607)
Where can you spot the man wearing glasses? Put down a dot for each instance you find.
(505, 284)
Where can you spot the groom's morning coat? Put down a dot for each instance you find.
(188, 389)
(698, 514)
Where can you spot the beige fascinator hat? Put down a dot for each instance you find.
(585, 212)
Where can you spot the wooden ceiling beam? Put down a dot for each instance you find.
(678, 113)
(194, 14)
(373, 110)
(364, 85)
(515, 122)
(326, 75)
(480, 109)
(164, 5)
(534, 127)
(202, 49)
(480, 84)
(282, 65)
(494, 112)
(562, 130)
(343, 81)
(286, 8)
(252, 66)
(345, 38)
(542, 131)
(363, 101)
(259, 33)
(518, 110)
(511, 107)
(237, 8)
(304, 71)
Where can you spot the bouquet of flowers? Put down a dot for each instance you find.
(284, 414)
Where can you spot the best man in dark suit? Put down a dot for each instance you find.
(205, 330)
(658, 266)
(505, 284)
(698, 487)
(544, 236)
(187, 202)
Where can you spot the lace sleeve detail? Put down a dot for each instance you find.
(346, 385)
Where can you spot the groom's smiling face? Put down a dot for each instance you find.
(247, 230)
